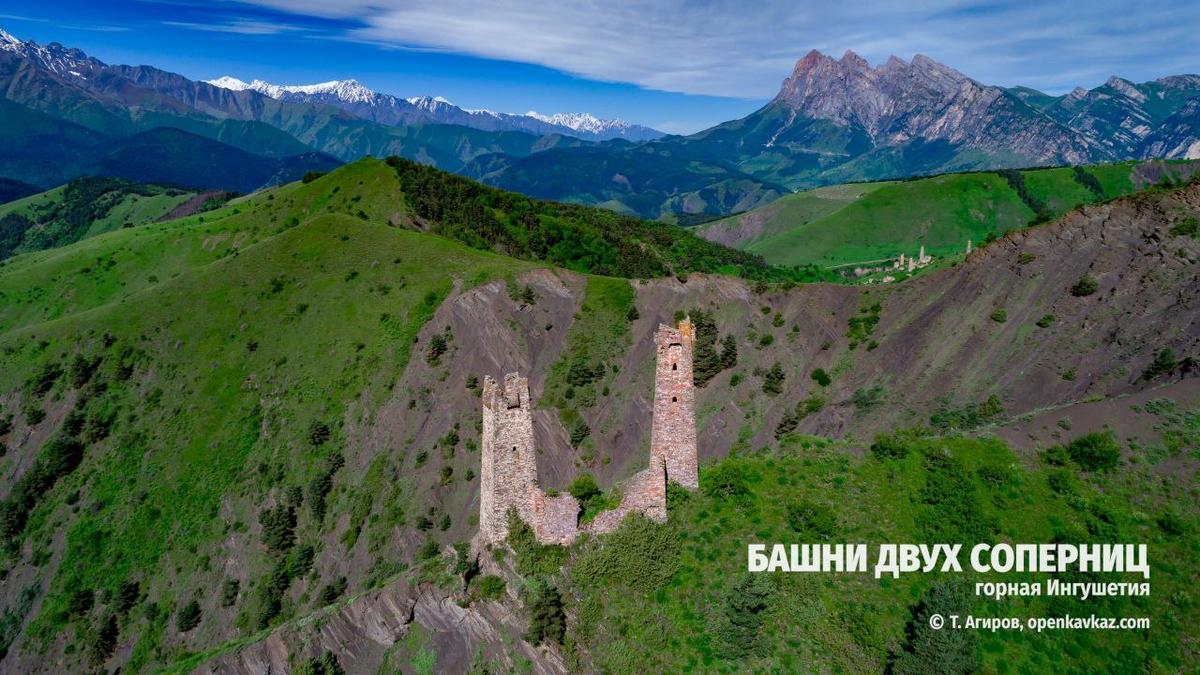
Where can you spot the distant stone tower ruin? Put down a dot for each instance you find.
(673, 431)
(508, 476)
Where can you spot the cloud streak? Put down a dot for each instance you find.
(237, 26)
(728, 48)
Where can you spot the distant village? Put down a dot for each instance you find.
(904, 263)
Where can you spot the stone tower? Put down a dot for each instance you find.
(508, 475)
(673, 431)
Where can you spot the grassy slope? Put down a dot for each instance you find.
(126, 209)
(330, 305)
(661, 609)
(940, 212)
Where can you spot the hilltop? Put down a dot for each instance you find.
(232, 429)
(90, 206)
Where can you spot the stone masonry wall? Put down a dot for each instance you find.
(673, 434)
(645, 492)
(508, 476)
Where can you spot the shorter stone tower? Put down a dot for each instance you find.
(673, 430)
(508, 475)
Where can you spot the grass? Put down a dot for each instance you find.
(212, 373)
(83, 208)
(595, 340)
(862, 222)
(845, 622)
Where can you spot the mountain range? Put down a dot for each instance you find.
(353, 97)
(833, 121)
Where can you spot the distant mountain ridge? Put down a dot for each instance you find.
(833, 121)
(352, 96)
(842, 120)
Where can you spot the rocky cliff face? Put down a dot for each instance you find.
(1178, 136)
(900, 101)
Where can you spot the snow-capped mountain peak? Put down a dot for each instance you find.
(359, 100)
(350, 91)
(54, 57)
(428, 100)
(580, 122)
(227, 82)
(8, 42)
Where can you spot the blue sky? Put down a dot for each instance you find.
(678, 65)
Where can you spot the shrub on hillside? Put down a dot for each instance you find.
(579, 432)
(726, 480)
(1188, 227)
(773, 380)
(787, 424)
(318, 433)
(325, 664)
(946, 418)
(952, 512)
(488, 587)
(1097, 451)
(230, 589)
(812, 520)
(641, 555)
(821, 377)
(1085, 286)
(188, 617)
(331, 591)
(867, 398)
(887, 446)
(103, 639)
(1163, 364)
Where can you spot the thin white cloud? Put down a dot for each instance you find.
(19, 17)
(238, 26)
(735, 48)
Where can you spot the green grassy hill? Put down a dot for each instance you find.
(163, 317)
(861, 222)
(82, 208)
(247, 419)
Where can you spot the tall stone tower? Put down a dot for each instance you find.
(508, 475)
(673, 431)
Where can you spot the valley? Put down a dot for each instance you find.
(275, 405)
(846, 224)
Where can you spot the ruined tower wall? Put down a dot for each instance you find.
(673, 431)
(555, 519)
(645, 492)
(508, 475)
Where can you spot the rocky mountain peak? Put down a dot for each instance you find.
(1125, 88)
(8, 42)
(853, 60)
(898, 101)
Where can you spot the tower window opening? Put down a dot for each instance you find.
(514, 448)
(673, 399)
(674, 366)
